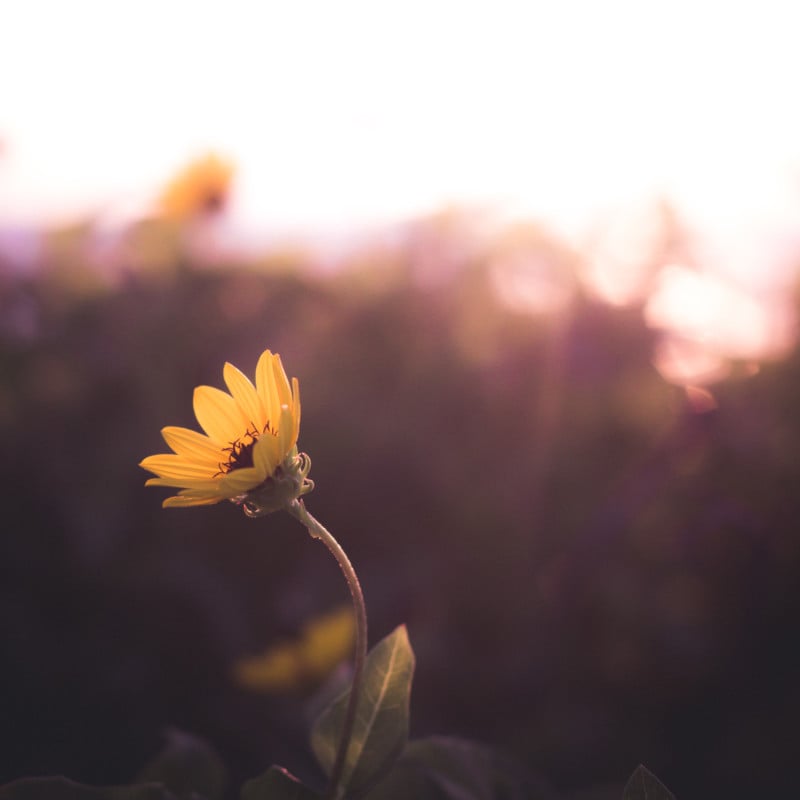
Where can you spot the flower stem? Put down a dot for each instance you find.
(318, 531)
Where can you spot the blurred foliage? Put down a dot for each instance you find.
(592, 573)
(381, 763)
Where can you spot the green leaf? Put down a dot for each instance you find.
(380, 731)
(276, 784)
(187, 765)
(446, 768)
(65, 789)
(643, 785)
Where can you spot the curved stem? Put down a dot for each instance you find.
(318, 531)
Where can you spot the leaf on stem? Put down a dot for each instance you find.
(643, 785)
(380, 731)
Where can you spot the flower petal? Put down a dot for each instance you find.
(281, 382)
(265, 454)
(240, 481)
(177, 501)
(295, 410)
(192, 445)
(202, 493)
(266, 388)
(170, 465)
(219, 415)
(185, 483)
(244, 393)
(286, 436)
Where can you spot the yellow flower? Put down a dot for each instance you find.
(201, 187)
(298, 663)
(249, 453)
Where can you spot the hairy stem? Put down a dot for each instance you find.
(318, 531)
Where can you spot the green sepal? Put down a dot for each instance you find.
(276, 784)
(380, 731)
(643, 785)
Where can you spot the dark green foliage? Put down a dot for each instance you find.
(63, 789)
(612, 575)
(187, 766)
(443, 768)
(276, 784)
(643, 785)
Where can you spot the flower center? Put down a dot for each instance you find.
(240, 452)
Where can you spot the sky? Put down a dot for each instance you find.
(345, 114)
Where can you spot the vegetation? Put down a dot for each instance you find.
(593, 573)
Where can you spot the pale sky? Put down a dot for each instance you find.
(347, 113)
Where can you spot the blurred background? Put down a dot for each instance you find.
(535, 266)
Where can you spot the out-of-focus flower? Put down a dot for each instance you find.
(200, 188)
(294, 664)
(248, 453)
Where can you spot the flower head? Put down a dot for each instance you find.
(200, 188)
(249, 451)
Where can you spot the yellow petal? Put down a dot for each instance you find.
(295, 410)
(240, 481)
(281, 382)
(202, 494)
(286, 437)
(265, 455)
(176, 501)
(244, 393)
(185, 483)
(266, 388)
(192, 445)
(219, 415)
(169, 465)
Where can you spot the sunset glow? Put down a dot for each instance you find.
(355, 112)
(594, 119)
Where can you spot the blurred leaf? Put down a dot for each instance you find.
(65, 789)
(643, 785)
(324, 643)
(381, 727)
(276, 784)
(186, 764)
(446, 768)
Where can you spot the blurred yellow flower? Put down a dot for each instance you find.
(201, 187)
(251, 438)
(295, 664)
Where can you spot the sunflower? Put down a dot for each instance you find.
(249, 451)
(202, 187)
